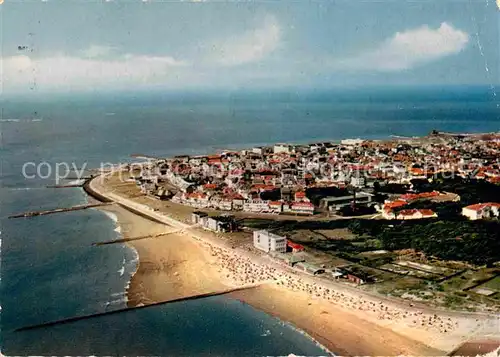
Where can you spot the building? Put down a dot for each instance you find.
(269, 242)
(275, 207)
(281, 148)
(481, 210)
(256, 206)
(408, 214)
(197, 216)
(292, 259)
(355, 279)
(302, 208)
(258, 150)
(389, 206)
(310, 268)
(358, 181)
(295, 247)
(300, 196)
(222, 224)
(336, 203)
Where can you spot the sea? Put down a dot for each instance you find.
(51, 271)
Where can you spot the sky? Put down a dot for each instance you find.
(110, 45)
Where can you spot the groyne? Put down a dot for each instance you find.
(126, 309)
(58, 210)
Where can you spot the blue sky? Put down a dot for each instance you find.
(112, 45)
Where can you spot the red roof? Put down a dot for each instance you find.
(427, 212)
(395, 204)
(417, 171)
(294, 245)
(302, 204)
(237, 172)
(196, 195)
(411, 212)
(415, 196)
(407, 212)
(264, 187)
(408, 196)
(480, 206)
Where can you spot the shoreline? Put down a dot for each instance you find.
(344, 325)
(134, 286)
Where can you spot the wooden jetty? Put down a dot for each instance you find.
(86, 317)
(58, 210)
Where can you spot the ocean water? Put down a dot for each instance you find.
(49, 270)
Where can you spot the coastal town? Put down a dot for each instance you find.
(388, 229)
(334, 210)
(322, 178)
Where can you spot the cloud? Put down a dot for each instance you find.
(96, 51)
(251, 46)
(71, 72)
(409, 49)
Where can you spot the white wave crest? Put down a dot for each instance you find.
(111, 216)
(18, 120)
(120, 294)
(26, 188)
(121, 301)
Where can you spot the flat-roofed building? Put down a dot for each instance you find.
(281, 148)
(269, 242)
(336, 203)
(197, 216)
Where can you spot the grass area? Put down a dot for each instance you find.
(493, 284)
(339, 233)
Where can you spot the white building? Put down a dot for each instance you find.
(302, 208)
(358, 181)
(481, 210)
(279, 148)
(269, 242)
(256, 206)
(408, 214)
(257, 150)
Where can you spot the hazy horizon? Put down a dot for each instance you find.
(114, 46)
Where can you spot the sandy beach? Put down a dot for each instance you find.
(170, 266)
(346, 322)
